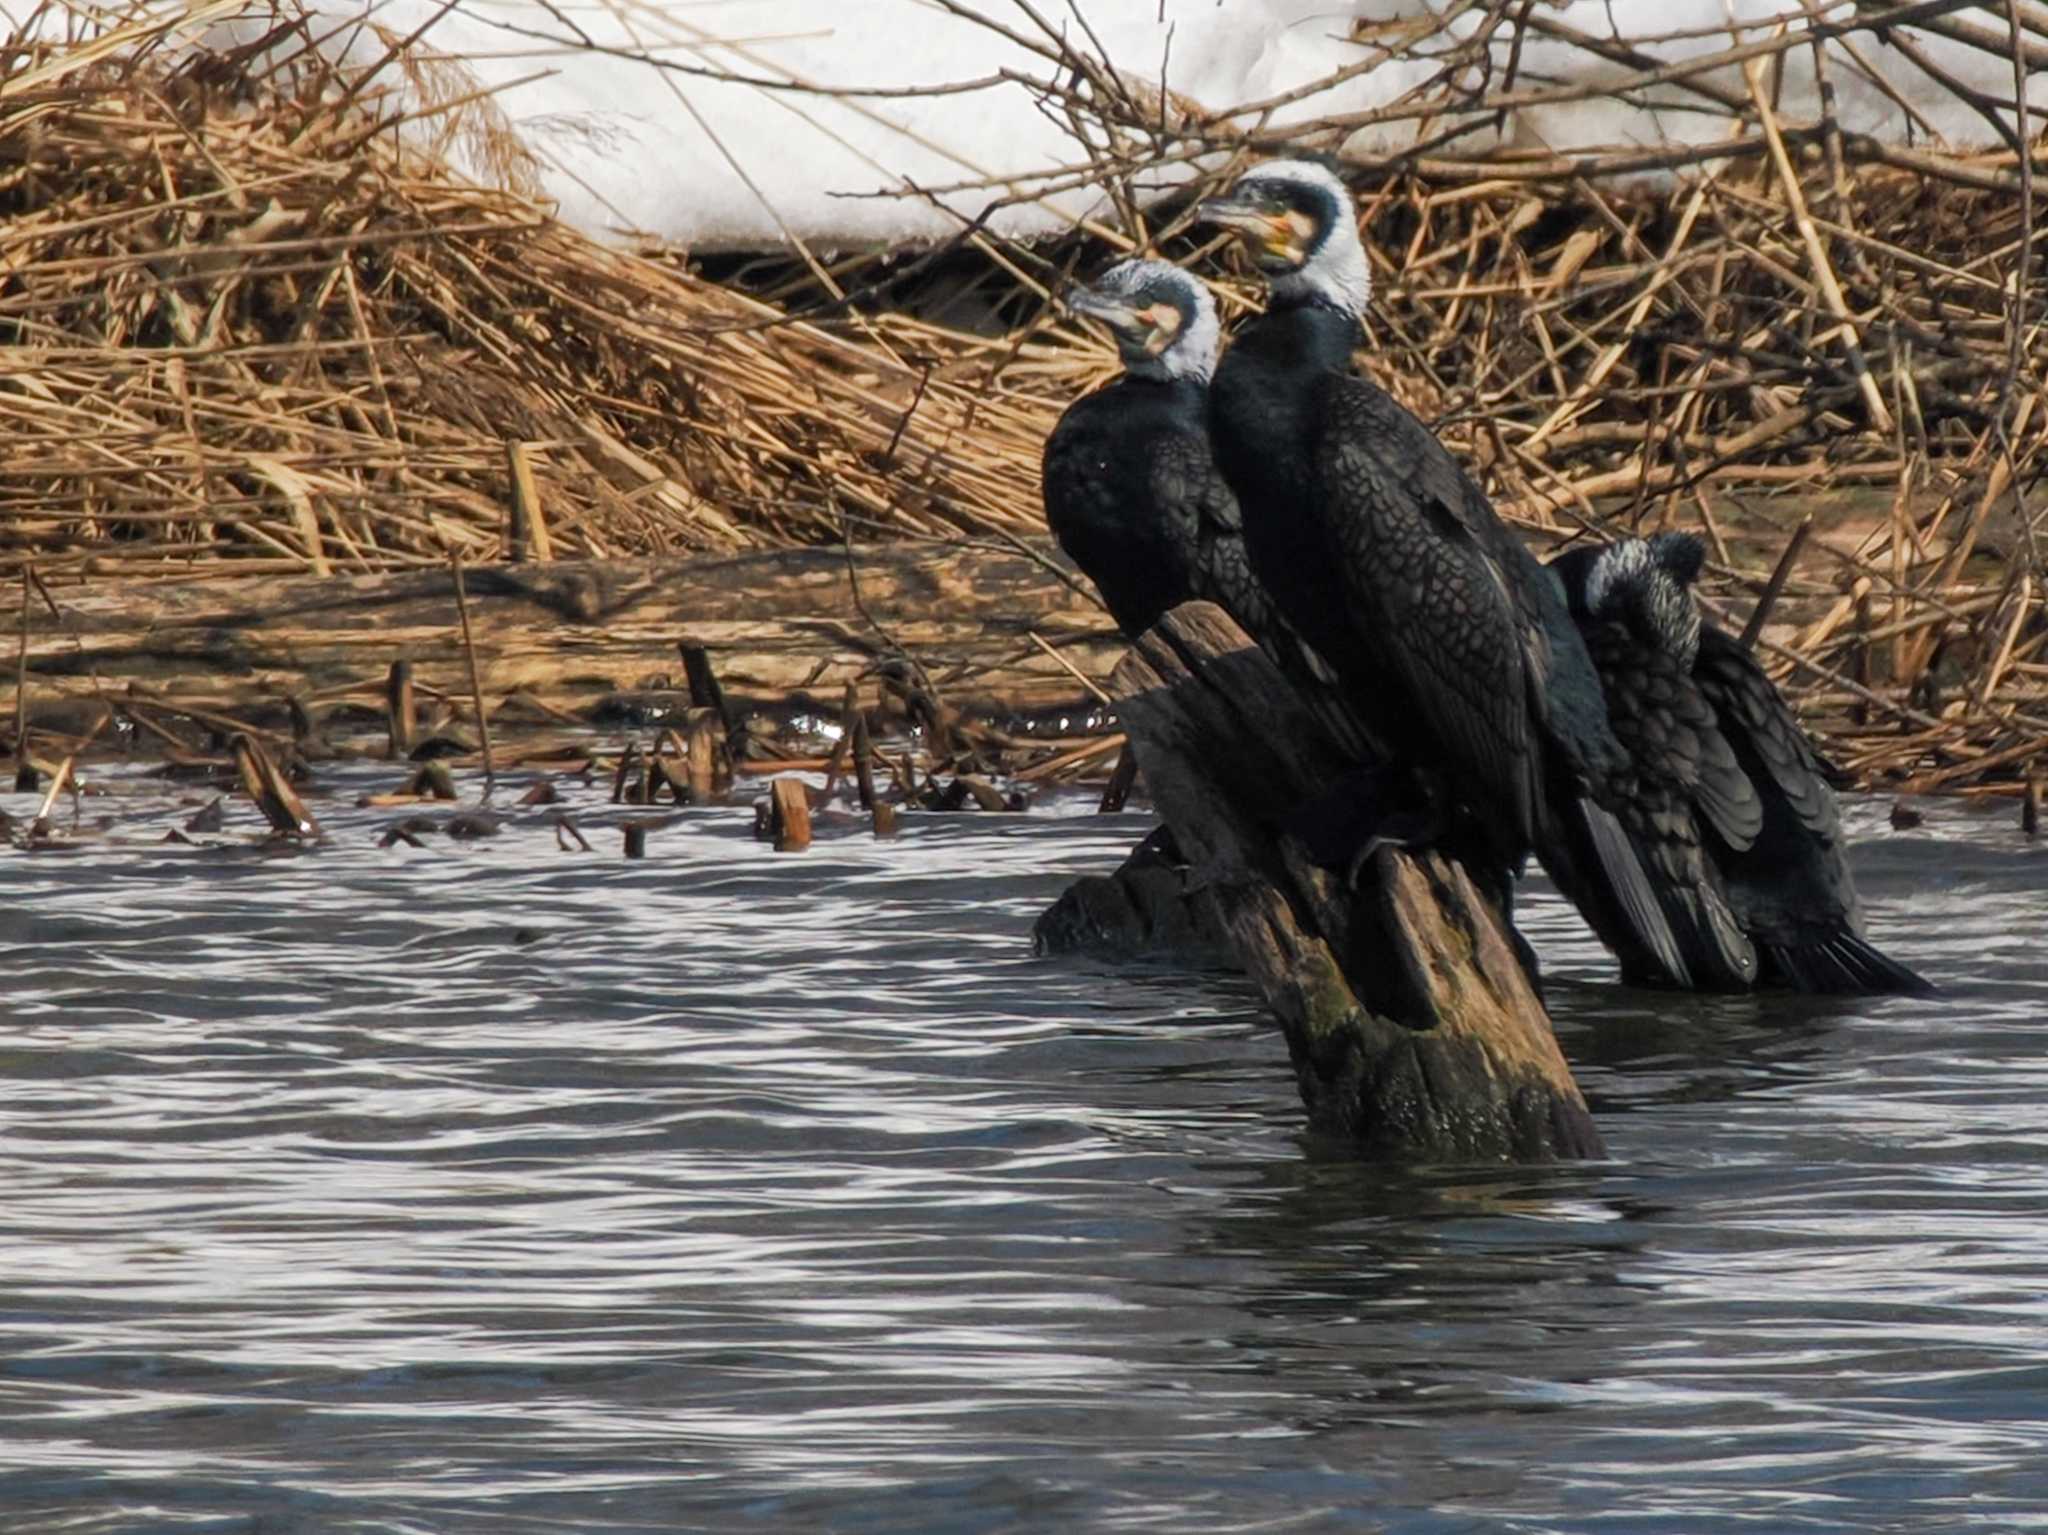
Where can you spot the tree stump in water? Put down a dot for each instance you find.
(1413, 1030)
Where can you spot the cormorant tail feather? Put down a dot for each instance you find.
(1845, 965)
(1634, 896)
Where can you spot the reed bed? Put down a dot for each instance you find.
(250, 324)
(246, 320)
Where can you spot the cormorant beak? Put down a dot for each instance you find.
(1117, 315)
(1269, 236)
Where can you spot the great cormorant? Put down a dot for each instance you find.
(1132, 491)
(1453, 642)
(1684, 787)
(1723, 772)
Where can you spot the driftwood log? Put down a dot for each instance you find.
(779, 621)
(1414, 1032)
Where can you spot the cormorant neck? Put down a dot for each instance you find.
(1174, 366)
(1330, 332)
(1336, 276)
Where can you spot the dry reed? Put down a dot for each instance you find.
(251, 325)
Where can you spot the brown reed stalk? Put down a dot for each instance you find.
(256, 331)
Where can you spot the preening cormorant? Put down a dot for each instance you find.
(1132, 491)
(1723, 776)
(1453, 642)
(1683, 788)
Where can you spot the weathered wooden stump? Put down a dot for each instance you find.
(1142, 909)
(1414, 1032)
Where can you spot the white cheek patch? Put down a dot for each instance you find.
(1165, 328)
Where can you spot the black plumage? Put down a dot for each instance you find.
(1453, 642)
(1683, 782)
(1724, 775)
(1132, 491)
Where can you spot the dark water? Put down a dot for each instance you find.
(489, 1188)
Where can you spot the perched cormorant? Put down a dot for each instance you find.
(1131, 491)
(1133, 494)
(1723, 773)
(1684, 787)
(1453, 642)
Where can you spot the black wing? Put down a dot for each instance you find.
(1115, 502)
(1676, 751)
(1407, 526)
(1791, 887)
(1756, 717)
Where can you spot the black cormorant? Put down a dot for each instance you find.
(1684, 787)
(1132, 491)
(1723, 773)
(1453, 642)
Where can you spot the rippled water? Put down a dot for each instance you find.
(491, 1188)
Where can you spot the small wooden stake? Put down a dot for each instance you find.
(626, 776)
(432, 781)
(886, 821)
(863, 762)
(41, 824)
(1118, 790)
(24, 769)
(1863, 669)
(789, 815)
(529, 526)
(2030, 807)
(401, 710)
(701, 758)
(636, 839)
(705, 693)
(1769, 600)
(476, 688)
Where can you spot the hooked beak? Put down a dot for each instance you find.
(1270, 236)
(1229, 213)
(1089, 304)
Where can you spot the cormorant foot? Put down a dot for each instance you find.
(1406, 830)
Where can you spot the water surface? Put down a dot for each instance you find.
(493, 1188)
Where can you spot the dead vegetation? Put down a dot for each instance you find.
(251, 324)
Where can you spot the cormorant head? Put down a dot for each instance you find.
(1681, 554)
(1296, 220)
(1163, 319)
(1628, 581)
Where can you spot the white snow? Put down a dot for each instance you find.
(627, 146)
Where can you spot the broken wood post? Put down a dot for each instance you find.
(272, 792)
(885, 822)
(2030, 806)
(705, 693)
(789, 815)
(636, 839)
(401, 710)
(863, 762)
(1117, 792)
(1141, 909)
(700, 757)
(24, 770)
(476, 687)
(1414, 1032)
(432, 780)
(67, 770)
(529, 527)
